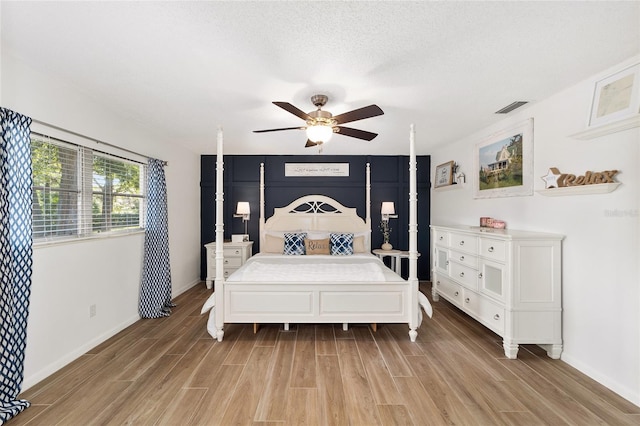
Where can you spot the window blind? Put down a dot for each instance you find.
(78, 191)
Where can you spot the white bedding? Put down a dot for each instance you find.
(317, 268)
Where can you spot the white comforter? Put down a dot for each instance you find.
(318, 268)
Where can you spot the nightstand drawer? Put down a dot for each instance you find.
(232, 252)
(232, 262)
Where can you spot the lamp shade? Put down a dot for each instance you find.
(388, 207)
(243, 208)
(319, 133)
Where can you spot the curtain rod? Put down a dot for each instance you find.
(166, 163)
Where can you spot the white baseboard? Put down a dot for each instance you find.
(629, 394)
(177, 291)
(72, 356)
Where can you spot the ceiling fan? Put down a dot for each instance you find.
(321, 125)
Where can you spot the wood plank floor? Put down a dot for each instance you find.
(170, 372)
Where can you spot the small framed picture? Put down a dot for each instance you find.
(444, 174)
(616, 97)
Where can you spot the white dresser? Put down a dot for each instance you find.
(235, 255)
(510, 281)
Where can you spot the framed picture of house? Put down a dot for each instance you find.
(444, 174)
(616, 97)
(504, 163)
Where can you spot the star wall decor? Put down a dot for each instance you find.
(551, 178)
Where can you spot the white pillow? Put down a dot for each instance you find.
(273, 244)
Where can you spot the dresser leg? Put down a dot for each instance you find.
(510, 349)
(553, 351)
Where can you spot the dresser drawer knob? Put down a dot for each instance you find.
(480, 275)
(490, 249)
(466, 300)
(226, 261)
(496, 317)
(462, 242)
(441, 237)
(456, 293)
(461, 274)
(446, 263)
(237, 251)
(461, 258)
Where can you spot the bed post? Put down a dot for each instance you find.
(413, 239)
(368, 203)
(261, 222)
(219, 280)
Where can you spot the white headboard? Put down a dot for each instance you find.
(317, 213)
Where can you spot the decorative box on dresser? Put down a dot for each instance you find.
(509, 281)
(235, 255)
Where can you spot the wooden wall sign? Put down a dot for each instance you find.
(555, 179)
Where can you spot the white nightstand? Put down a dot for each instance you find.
(396, 258)
(235, 255)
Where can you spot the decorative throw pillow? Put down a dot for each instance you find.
(294, 243)
(358, 244)
(273, 244)
(316, 246)
(341, 244)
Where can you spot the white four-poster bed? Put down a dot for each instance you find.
(353, 287)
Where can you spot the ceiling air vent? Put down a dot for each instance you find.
(511, 107)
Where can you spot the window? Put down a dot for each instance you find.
(78, 191)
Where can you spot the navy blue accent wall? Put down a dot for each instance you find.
(389, 182)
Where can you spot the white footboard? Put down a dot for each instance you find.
(317, 303)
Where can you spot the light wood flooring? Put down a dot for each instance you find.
(170, 372)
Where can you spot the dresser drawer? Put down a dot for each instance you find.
(486, 311)
(464, 275)
(493, 249)
(441, 238)
(450, 290)
(463, 242)
(463, 258)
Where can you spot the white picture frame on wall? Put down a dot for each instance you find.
(503, 163)
(616, 97)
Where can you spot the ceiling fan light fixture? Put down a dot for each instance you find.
(319, 133)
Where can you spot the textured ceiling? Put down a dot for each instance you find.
(185, 67)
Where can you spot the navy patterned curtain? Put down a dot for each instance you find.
(155, 289)
(16, 256)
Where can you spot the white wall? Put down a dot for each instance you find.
(601, 297)
(68, 278)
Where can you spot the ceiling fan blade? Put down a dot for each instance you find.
(293, 110)
(358, 114)
(310, 143)
(277, 130)
(356, 133)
